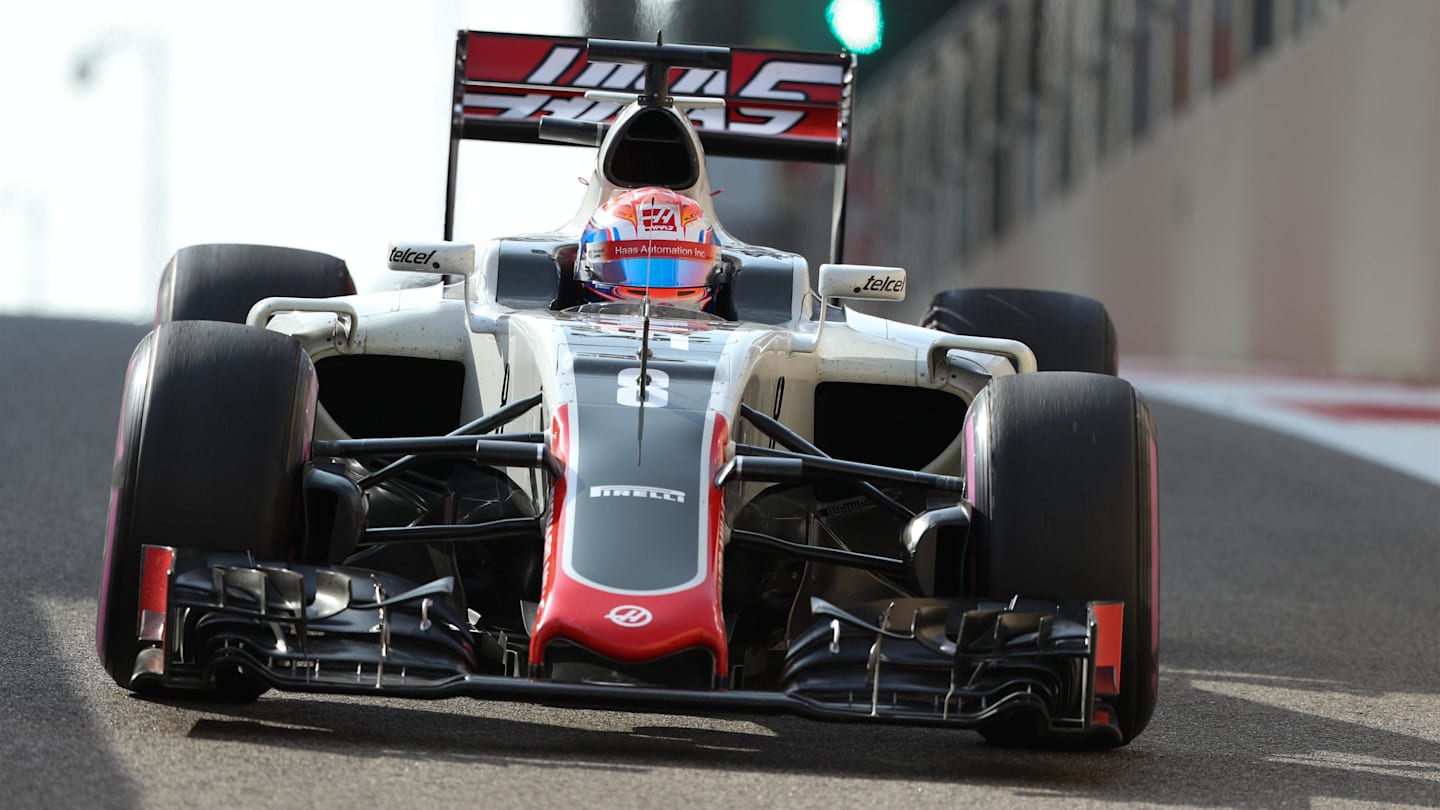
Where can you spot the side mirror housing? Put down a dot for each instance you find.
(445, 258)
(862, 281)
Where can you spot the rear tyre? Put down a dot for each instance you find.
(222, 282)
(214, 431)
(1061, 474)
(1067, 332)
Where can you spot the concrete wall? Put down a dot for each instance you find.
(1293, 218)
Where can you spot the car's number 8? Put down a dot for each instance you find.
(657, 391)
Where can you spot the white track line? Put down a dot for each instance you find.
(1395, 424)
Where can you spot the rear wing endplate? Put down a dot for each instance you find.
(779, 105)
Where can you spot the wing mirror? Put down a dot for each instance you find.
(864, 281)
(446, 258)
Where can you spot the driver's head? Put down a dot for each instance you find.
(650, 238)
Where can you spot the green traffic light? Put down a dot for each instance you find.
(857, 24)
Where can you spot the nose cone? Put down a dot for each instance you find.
(633, 550)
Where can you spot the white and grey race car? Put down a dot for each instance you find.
(487, 486)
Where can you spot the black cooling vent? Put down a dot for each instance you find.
(376, 395)
(892, 425)
(652, 148)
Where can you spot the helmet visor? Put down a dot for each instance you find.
(652, 263)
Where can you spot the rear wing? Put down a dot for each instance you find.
(779, 105)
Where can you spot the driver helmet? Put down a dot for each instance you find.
(650, 238)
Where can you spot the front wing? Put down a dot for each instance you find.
(302, 628)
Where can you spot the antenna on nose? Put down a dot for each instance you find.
(645, 333)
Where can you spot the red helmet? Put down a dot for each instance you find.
(650, 239)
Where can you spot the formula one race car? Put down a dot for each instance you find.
(636, 463)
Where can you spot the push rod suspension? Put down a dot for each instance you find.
(788, 438)
(799, 469)
(484, 424)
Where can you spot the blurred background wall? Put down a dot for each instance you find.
(1294, 220)
(1244, 182)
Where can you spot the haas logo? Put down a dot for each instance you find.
(629, 615)
(658, 218)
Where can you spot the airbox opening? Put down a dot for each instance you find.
(652, 148)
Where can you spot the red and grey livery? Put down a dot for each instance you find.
(779, 505)
(634, 545)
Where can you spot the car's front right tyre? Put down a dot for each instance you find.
(215, 425)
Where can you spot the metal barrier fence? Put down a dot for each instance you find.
(1009, 104)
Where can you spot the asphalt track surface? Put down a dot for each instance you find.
(1301, 660)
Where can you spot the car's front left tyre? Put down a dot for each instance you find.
(215, 427)
(1061, 474)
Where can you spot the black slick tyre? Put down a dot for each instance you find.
(222, 282)
(1066, 332)
(215, 427)
(1061, 475)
